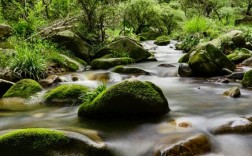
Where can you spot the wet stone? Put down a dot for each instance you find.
(233, 92)
(196, 145)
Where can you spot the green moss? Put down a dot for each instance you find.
(162, 40)
(66, 94)
(185, 58)
(247, 79)
(240, 55)
(130, 47)
(24, 89)
(128, 97)
(33, 141)
(209, 61)
(123, 70)
(111, 62)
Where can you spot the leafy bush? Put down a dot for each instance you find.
(196, 25)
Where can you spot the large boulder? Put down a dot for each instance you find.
(236, 38)
(67, 94)
(74, 43)
(106, 63)
(40, 141)
(125, 46)
(240, 55)
(23, 89)
(209, 61)
(4, 86)
(247, 79)
(134, 98)
(5, 31)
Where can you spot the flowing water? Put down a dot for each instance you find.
(198, 102)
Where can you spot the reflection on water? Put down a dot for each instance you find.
(196, 105)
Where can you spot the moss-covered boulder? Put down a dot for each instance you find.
(104, 63)
(125, 46)
(23, 89)
(127, 70)
(209, 61)
(67, 94)
(247, 79)
(240, 55)
(162, 41)
(71, 41)
(134, 98)
(42, 142)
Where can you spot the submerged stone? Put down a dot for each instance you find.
(196, 145)
(23, 88)
(233, 92)
(103, 63)
(127, 70)
(127, 98)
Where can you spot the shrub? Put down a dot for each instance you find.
(196, 25)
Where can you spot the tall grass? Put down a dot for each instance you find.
(28, 62)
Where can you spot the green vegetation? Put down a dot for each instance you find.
(33, 141)
(128, 97)
(41, 32)
(247, 80)
(24, 89)
(67, 94)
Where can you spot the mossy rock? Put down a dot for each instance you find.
(209, 62)
(47, 142)
(23, 89)
(185, 58)
(71, 41)
(5, 31)
(66, 94)
(103, 63)
(247, 79)
(134, 71)
(162, 40)
(125, 46)
(239, 56)
(134, 98)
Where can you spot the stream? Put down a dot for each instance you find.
(197, 102)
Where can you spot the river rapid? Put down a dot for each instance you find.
(197, 105)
